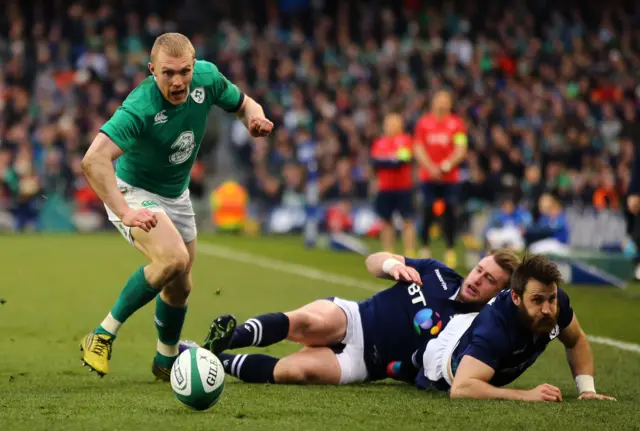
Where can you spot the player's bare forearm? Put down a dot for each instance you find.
(423, 158)
(458, 156)
(477, 389)
(250, 109)
(375, 262)
(580, 357)
(252, 116)
(577, 348)
(97, 165)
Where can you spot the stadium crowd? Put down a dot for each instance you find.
(549, 96)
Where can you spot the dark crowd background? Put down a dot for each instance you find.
(548, 90)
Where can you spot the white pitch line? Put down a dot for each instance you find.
(623, 345)
(320, 275)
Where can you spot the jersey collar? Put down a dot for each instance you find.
(455, 295)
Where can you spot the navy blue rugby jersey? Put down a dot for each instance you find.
(400, 319)
(499, 338)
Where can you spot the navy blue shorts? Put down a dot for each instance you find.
(387, 202)
(449, 192)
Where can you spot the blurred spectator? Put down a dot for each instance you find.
(440, 146)
(392, 159)
(550, 234)
(549, 94)
(507, 226)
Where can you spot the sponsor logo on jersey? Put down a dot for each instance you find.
(149, 204)
(554, 332)
(427, 320)
(183, 147)
(161, 117)
(442, 282)
(198, 95)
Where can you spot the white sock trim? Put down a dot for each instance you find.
(233, 365)
(252, 323)
(239, 366)
(257, 339)
(169, 350)
(111, 325)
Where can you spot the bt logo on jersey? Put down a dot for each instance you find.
(415, 290)
(424, 320)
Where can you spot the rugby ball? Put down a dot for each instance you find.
(197, 378)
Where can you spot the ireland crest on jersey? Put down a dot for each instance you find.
(198, 95)
(183, 147)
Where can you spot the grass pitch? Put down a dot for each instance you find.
(57, 288)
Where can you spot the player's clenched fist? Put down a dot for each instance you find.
(402, 272)
(142, 218)
(260, 127)
(545, 392)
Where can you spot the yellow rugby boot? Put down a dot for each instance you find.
(96, 352)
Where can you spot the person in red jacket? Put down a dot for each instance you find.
(440, 144)
(391, 156)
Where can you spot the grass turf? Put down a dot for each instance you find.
(58, 287)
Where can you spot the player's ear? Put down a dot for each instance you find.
(150, 66)
(515, 298)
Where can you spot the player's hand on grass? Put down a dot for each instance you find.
(142, 218)
(594, 396)
(545, 392)
(402, 272)
(260, 127)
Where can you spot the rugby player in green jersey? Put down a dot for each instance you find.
(155, 136)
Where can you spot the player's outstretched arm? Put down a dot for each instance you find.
(392, 267)
(580, 360)
(97, 165)
(252, 115)
(472, 381)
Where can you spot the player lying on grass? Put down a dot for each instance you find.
(477, 354)
(155, 136)
(350, 342)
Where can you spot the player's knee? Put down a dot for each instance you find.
(174, 264)
(301, 324)
(297, 373)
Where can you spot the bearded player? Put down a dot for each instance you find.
(155, 136)
(476, 355)
(352, 342)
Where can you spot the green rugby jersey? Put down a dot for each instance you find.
(160, 140)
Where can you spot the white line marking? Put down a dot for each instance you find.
(317, 274)
(623, 345)
(289, 268)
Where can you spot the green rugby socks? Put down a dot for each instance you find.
(169, 321)
(135, 295)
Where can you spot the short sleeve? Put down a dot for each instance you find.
(226, 94)
(489, 343)
(124, 128)
(566, 312)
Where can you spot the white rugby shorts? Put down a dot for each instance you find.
(179, 210)
(351, 358)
